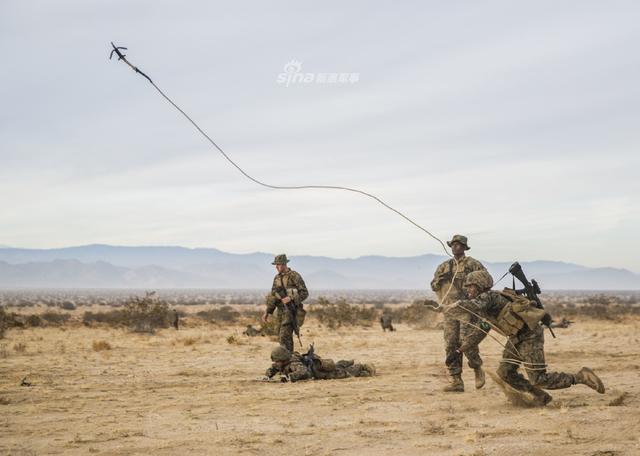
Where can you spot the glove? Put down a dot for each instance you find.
(546, 320)
(284, 379)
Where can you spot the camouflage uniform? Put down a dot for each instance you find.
(526, 346)
(323, 369)
(386, 321)
(251, 331)
(289, 280)
(454, 330)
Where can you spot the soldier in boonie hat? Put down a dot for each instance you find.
(461, 239)
(288, 292)
(280, 259)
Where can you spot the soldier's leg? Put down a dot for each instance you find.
(453, 358)
(508, 369)
(286, 336)
(360, 370)
(470, 338)
(532, 351)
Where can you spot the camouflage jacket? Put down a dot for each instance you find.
(487, 304)
(295, 370)
(295, 286)
(444, 275)
(323, 369)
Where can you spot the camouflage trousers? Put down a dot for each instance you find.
(285, 336)
(528, 347)
(346, 369)
(460, 336)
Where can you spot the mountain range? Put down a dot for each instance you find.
(105, 266)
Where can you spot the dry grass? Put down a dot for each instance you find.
(156, 397)
(101, 345)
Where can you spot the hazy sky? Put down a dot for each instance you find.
(515, 124)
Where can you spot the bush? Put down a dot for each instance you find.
(68, 305)
(55, 318)
(111, 318)
(335, 315)
(33, 321)
(223, 314)
(417, 314)
(140, 314)
(4, 322)
(100, 345)
(146, 314)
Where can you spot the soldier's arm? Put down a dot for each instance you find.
(273, 370)
(436, 283)
(303, 293)
(477, 266)
(478, 304)
(298, 371)
(271, 299)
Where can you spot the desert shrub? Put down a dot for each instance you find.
(189, 341)
(416, 314)
(224, 314)
(55, 318)
(112, 318)
(33, 321)
(68, 305)
(599, 307)
(8, 320)
(147, 313)
(340, 313)
(4, 322)
(101, 345)
(140, 314)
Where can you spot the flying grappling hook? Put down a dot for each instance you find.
(118, 51)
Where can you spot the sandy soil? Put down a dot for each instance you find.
(193, 391)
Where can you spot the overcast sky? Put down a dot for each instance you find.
(517, 125)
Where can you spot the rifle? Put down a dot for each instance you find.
(281, 293)
(309, 359)
(531, 290)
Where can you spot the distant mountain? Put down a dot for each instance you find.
(104, 266)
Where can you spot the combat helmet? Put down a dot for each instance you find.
(280, 353)
(481, 279)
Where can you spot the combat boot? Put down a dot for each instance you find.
(479, 377)
(541, 397)
(455, 386)
(586, 376)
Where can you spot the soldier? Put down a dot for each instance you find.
(287, 295)
(251, 331)
(176, 319)
(448, 286)
(295, 367)
(563, 323)
(518, 319)
(386, 322)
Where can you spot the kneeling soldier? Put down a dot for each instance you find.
(295, 367)
(518, 319)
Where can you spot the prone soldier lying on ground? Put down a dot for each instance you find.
(294, 367)
(517, 318)
(563, 323)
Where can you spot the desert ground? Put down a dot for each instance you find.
(195, 391)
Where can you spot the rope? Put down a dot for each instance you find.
(267, 185)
